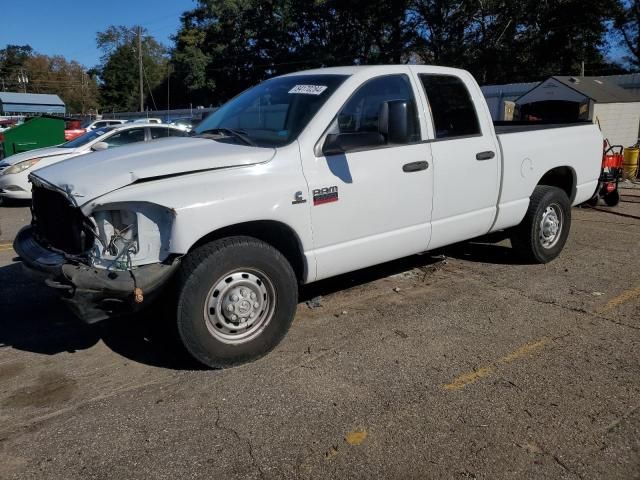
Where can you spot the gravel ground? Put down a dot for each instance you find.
(466, 365)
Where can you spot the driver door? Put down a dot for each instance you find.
(372, 204)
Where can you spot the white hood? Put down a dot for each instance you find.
(90, 177)
(37, 153)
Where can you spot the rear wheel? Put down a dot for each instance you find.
(237, 299)
(544, 230)
(612, 198)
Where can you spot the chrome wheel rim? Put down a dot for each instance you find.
(551, 226)
(239, 306)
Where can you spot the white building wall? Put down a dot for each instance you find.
(619, 122)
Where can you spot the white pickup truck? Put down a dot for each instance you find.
(303, 177)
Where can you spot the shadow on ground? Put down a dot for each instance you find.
(33, 319)
(10, 203)
(485, 249)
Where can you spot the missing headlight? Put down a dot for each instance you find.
(130, 234)
(118, 231)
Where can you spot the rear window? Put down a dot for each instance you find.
(453, 111)
(163, 132)
(90, 136)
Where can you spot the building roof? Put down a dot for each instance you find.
(508, 89)
(599, 89)
(12, 102)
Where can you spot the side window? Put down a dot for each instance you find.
(126, 137)
(454, 113)
(361, 113)
(159, 132)
(163, 132)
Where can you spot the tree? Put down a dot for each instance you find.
(77, 88)
(118, 70)
(503, 41)
(55, 75)
(627, 25)
(224, 46)
(12, 60)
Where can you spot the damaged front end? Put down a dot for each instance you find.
(110, 262)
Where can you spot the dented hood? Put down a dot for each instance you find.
(91, 176)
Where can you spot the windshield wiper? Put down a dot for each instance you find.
(232, 133)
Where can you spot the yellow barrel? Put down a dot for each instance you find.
(630, 164)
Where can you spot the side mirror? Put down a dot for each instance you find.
(347, 142)
(397, 120)
(99, 146)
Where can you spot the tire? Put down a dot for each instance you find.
(612, 199)
(531, 241)
(235, 279)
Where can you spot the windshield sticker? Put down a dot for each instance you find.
(308, 89)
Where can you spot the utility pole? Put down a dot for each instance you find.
(23, 79)
(168, 89)
(82, 86)
(140, 72)
(582, 69)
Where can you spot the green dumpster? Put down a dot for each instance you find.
(36, 132)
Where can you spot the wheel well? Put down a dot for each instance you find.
(277, 234)
(563, 178)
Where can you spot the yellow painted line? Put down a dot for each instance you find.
(356, 438)
(472, 377)
(468, 378)
(7, 248)
(523, 351)
(624, 297)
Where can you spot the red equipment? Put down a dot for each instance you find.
(73, 130)
(610, 175)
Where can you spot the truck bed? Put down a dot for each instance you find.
(531, 150)
(518, 126)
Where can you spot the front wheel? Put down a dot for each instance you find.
(544, 230)
(237, 299)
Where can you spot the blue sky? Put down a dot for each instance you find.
(69, 28)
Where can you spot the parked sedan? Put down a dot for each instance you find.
(96, 124)
(14, 171)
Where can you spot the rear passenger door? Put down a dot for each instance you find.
(126, 137)
(465, 161)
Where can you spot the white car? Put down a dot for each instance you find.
(301, 178)
(156, 121)
(14, 170)
(96, 124)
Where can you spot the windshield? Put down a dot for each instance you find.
(273, 113)
(86, 138)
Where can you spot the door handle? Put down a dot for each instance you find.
(485, 155)
(415, 166)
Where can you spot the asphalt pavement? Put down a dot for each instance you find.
(462, 364)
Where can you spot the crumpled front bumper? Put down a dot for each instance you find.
(93, 294)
